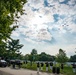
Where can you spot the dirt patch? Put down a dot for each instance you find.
(4, 73)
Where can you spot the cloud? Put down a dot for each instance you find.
(48, 22)
(15, 34)
(57, 16)
(61, 0)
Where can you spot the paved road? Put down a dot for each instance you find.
(10, 71)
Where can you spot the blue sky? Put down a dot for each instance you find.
(48, 26)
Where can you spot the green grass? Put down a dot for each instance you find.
(66, 71)
(28, 66)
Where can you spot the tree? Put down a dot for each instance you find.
(34, 52)
(2, 49)
(9, 10)
(61, 57)
(26, 57)
(46, 57)
(13, 48)
(43, 57)
(73, 58)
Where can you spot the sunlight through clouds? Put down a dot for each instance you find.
(48, 21)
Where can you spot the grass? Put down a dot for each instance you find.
(66, 71)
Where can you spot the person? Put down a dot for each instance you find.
(42, 66)
(38, 66)
(26, 62)
(47, 66)
(62, 66)
(51, 65)
(13, 65)
(74, 66)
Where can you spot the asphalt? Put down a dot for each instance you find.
(10, 71)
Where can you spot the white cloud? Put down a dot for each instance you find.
(29, 40)
(72, 27)
(15, 33)
(34, 26)
(54, 49)
(70, 49)
(61, 0)
(38, 33)
(35, 21)
(72, 2)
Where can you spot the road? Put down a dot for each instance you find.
(10, 71)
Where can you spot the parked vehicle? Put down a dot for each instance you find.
(3, 63)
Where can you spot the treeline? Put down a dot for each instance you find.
(33, 56)
(12, 51)
(61, 57)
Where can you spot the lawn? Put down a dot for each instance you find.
(66, 71)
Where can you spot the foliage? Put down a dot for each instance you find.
(2, 49)
(32, 56)
(61, 57)
(66, 71)
(9, 10)
(39, 57)
(34, 52)
(46, 57)
(13, 48)
(26, 57)
(73, 58)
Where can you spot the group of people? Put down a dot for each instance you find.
(15, 63)
(40, 66)
(51, 65)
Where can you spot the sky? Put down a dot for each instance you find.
(47, 26)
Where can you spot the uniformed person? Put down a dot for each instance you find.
(38, 66)
(47, 65)
(62, 66)
(42, 64)
(51, 65)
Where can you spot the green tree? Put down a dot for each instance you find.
(13, 48)
(9, 10)
(42, 56)
(34, 52)
(61, 56)
(45, 57)
(2, 49)
(26, 57)
(73, 58)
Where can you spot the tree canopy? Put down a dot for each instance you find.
(9, 10)
(34, 52)
(73, 58)
(61, 56)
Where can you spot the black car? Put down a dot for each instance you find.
(3, 63)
